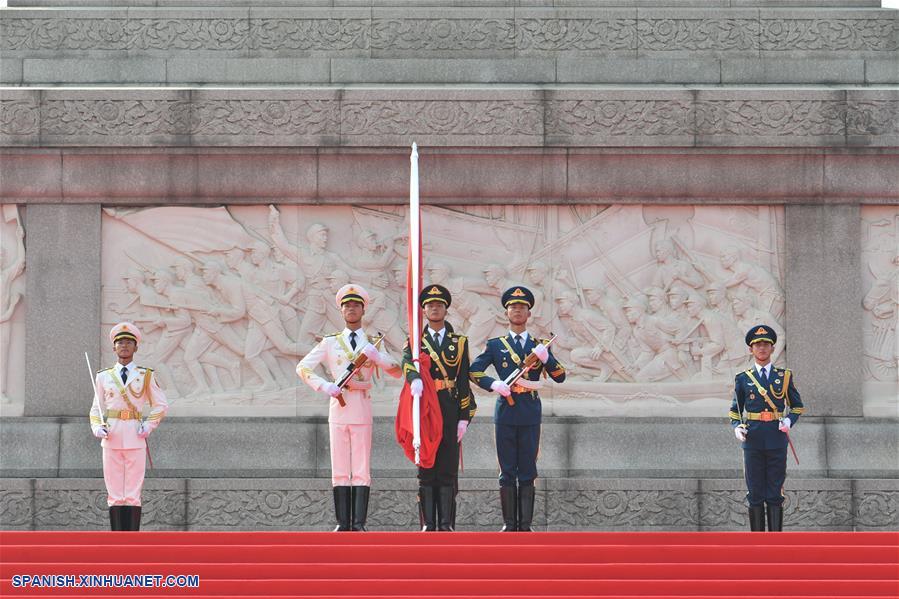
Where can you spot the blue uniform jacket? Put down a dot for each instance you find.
(761, 434)
(527, 409)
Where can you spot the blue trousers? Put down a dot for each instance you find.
(516, 450)
(765, 470)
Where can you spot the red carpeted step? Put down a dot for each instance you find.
(473, 571)
(288, 564)
(746, 553)
(459, 538)
(488, 588)
(201, 596)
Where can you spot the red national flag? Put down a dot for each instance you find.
(431, 419)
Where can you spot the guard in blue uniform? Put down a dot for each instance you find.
(517, 421)
(772, 405)
(439, 485)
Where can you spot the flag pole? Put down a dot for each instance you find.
(415, 283)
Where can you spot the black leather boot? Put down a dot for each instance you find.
(775, 518)
(427, 507)
(508, 501)
(757, 518)
(342, 508)
(115, 518)
(360, 507)
(132, 517)
(525, 508)
(446, 508)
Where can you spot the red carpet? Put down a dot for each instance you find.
(811, 565)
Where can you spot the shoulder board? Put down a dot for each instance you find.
(543, 341)
(495, 338)
(145, 369)
(103, 370)
(333, 334)
(456, 336)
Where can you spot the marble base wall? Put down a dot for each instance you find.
(562, 504)
(570, 448)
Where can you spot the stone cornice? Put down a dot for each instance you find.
(492, 117)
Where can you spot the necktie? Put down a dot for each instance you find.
(353, 339)
(763, 376)
(518, 342)
(124, 374)
(435, 339)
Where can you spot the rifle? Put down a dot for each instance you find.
(530, 362)
(357, 363)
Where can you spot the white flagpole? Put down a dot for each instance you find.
(414, 246)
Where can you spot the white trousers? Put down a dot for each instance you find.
(123, 471)
(350, 455)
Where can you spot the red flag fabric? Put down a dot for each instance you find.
(431, 419)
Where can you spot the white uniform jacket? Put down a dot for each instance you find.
(335, 353)
(126, 404)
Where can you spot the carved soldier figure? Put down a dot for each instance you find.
(517, 421)
(438, 485)
(123, 393)
(350, 425)
(772, 404)
(12, 289)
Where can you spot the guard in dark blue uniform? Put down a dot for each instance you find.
(772, 405)
(517, 421)
(439, 484)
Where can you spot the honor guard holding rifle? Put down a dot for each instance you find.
(438, 485)
(772, 405)
(351, 361)
(121, 395)
(519, 361)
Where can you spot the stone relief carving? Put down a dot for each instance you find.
(698, 34)
(592, 32)
(12, 311)
(619, 117)
(561, 35)
(880, 279)
(630, 509)
(240, 121)
(442, 34)
(829, 34)
(650, 303)
(795, 118)
(19, 117)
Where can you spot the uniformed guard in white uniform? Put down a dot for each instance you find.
(350, 426)
(125, 393)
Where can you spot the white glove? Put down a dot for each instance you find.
(460, 430)
(143, 431)
(331, 389)
(541, 352)
(784, 426)
(102, 432)
(371, 352)
(416, 387)
(501, 388)
(740, 433)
